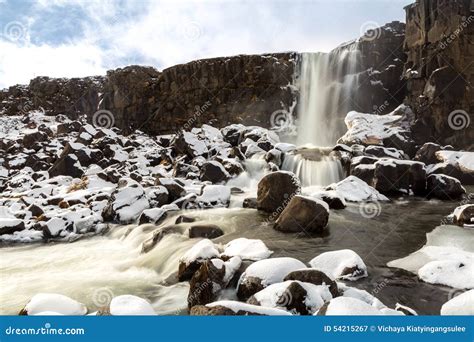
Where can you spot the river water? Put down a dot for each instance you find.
(94, 269)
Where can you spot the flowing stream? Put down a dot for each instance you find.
(94, 269)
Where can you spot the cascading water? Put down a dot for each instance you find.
(326, 83)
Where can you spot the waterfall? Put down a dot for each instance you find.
(314, 166)
(327, 82)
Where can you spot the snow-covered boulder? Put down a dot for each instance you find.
(214, 172)
(303, 214)
(342, 264)
(212, 276)
(458, 164)
(263, 273)
(126, 203)
(406, 176)
(9, 225)
(464, 215)
(53, 302)
(294, 296)
(153, 215)
(462, 304)
(194, 257)
(247, 249)
(234, 308)
(444, 187)
(128, 305)
(332, 198)
(315, 277)
(390, 130)
(348, 306)
(214, 196)
(353, 189)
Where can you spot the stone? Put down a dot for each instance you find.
(272, 198)
(315, 277)
(213, 172)
(303, 214)
(208, 231)
(444, 187)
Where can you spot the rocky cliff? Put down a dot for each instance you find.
(439, 43)
(431, 68)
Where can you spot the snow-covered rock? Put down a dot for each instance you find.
(52, 302)
(342, 264)
(247, 249)
(229, 307)
(126, 203)
(348, 306)
(390, 130)
(263, 273)
(194, 257)
(294, 296)
(462, 304)
(128, 305)
(353, 189)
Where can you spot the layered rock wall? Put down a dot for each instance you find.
(439, 43)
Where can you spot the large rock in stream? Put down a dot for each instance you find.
(275, 190)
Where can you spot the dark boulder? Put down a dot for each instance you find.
(275, 190)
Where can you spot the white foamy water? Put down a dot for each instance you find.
(326, 83)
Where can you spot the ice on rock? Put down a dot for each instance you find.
(247, 249)
(272, 271)
(348, 306)
(342, 264)
(447, 258)
(203, 250)
(52, 302)
(253, 309)
(128, 305)
(354, 189)
(462, 304)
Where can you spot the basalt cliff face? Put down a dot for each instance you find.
(427, 63)
(439, 43)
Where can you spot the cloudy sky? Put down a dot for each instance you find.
(69, 38)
